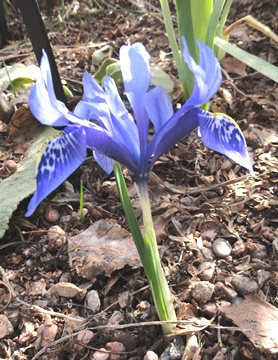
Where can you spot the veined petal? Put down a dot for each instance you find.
(134, 62)
(180, 125)
(135, 68)
(104, 161)
(114, 101)
(158, 105)
(42, 100)
(91, 110)
(220, 133)
(62, 155)
(108, 145)
(92, 91)
(122, 121)
(207, 74)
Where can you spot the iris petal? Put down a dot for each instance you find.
(134, 62)
(62, 155)
(107, 144)
(92, 91)
(42, 100)
(178, 127)
(207, 74)
(158, 105)
(122, 121)
(104, 161)
(222, 134)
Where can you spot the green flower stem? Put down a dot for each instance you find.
(147, 248)
(159, 286)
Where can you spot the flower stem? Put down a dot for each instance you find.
(147, 248)
(158, 283)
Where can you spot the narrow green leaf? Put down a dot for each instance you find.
(129, 213)
(213, 23)
(184, 73)
(253, 61)
(219, 53)
(201, 12)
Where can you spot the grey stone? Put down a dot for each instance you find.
(221, 247)
(244, 284)
(202, 291)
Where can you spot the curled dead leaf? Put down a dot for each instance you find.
(101, 249)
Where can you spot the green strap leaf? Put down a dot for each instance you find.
(253, 61)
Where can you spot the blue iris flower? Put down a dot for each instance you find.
(101, 121)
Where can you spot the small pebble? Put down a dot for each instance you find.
(100, 355)
(212, 308)
(84, 337)
(51, 215)
(27, 333)
(116, 318)
(207, 270)
(56, 237)
(65, 219)
(68, 187)
(116, 347)
(6, 327)
(10, 166)
(150, 355)
(174, 351)
(244, 284)
(221, 247)
(224, 292)
(238, 248)
(65, 289)
(92, 301)
(202, 291)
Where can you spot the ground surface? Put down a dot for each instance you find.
(48, 290)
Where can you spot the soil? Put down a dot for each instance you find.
(226, 302)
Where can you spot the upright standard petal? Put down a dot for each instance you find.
(181, 124)
(101, 141)
(207, 74)
(42, 100)
(220, 133)
(134, 62)
(158, 105)
(62, 155)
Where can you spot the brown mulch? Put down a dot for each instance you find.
(55, 311)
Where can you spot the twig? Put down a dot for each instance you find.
(231, 81)
(10, 295)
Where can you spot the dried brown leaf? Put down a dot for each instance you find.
(258, 320)
(103, 248)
